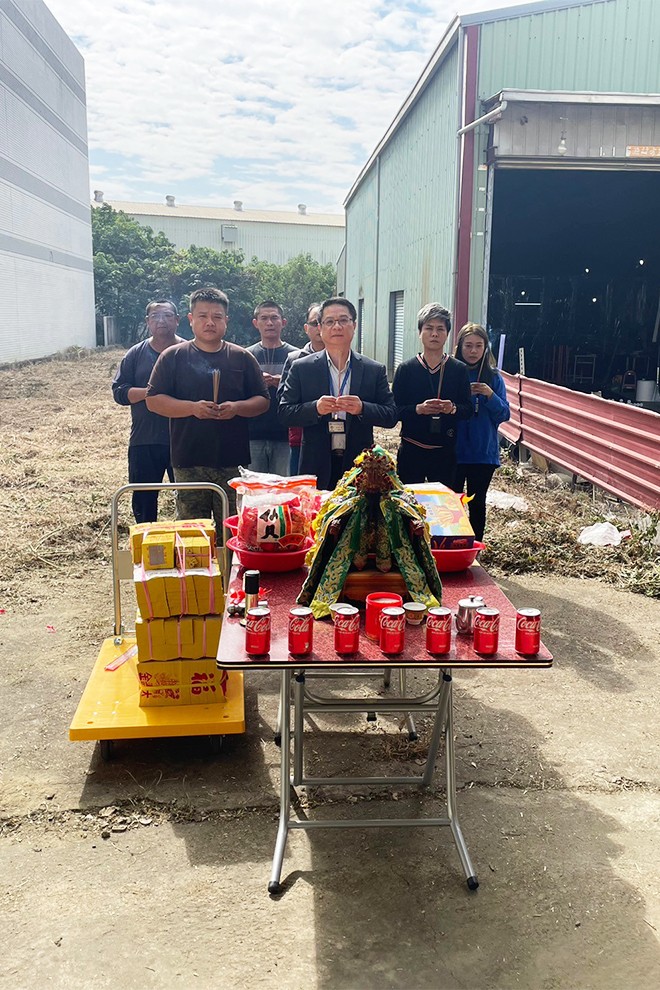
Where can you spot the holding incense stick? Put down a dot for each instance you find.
(216, 384)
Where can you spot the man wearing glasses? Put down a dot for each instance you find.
(337, 396)
(149, 443)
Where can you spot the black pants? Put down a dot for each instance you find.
(147, 464)
(415, 465)
(478, 478)
(336, 470)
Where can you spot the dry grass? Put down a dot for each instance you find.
(64, 454)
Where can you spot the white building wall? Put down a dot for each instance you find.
(46, 272)
(276, 242)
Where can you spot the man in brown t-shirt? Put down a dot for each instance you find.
(208, 439)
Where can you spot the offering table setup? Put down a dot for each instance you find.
(322, 641)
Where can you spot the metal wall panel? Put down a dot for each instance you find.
(275, 242)
(361, 255)
(44, 308)
(27, 64)
(38, 222)
(592, 131)
(406, 216)
(38, 147)
(613, 445)
(601, 47)
(46, 277)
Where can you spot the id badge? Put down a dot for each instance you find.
(336, 426)
(435, 426)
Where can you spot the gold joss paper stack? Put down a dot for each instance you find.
(180, 597)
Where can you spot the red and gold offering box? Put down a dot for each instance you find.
(181, 682)
(447, 520)
(184, 527)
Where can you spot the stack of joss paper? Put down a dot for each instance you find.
(180, 598)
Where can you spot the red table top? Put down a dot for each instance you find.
(284, 588)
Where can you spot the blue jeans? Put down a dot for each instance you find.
(270, 456)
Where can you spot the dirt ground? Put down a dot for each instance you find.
(151, 870)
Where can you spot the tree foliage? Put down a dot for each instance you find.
(132, 265)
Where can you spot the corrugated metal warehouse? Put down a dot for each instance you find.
(46, 275)
(268, 235)
(519, 185)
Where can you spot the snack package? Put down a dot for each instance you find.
(258, 483)
(273, 521)
(448, 522)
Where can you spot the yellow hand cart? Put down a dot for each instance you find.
(108, 709)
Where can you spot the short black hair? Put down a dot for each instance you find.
(161, 302)
(209, 294)
(268, 304)
(338, 301)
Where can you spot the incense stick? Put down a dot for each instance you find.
(216, 384)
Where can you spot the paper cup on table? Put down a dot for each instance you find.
(415, 612)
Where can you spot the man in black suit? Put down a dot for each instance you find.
(337, 396)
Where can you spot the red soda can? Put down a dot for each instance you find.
(257, 632)
(392, 629)
(438, 630)
(486, 630)
(301, 631)
(347, 629)
(528, 631)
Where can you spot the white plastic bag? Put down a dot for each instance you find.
(602, 534)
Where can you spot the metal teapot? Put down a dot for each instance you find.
(467, 608)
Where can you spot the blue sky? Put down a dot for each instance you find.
(273, 102)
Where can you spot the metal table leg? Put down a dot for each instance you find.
(452, 811)
(274, 886)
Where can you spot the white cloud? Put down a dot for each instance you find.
(272, 103)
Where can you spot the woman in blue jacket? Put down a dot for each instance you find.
(477, 447)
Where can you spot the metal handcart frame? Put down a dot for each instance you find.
(109, 707)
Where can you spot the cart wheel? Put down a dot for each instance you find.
(274, 887)
(277, 738)
(106, 748)
(412, 737)
(472, 883)
(371, 716)
(216, 744)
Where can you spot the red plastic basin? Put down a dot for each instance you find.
(456, 560)
(269, 562)
(231, 522)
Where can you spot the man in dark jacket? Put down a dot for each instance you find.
(149, 443)
(337, 396)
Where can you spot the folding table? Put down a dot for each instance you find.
(437, 700)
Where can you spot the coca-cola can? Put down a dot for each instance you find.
(347, 629)
(301, 631)
(528, 631)
(257, 632)
(392, 629)
(486, 630)
(438, 630)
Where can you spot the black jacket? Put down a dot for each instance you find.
(307, 381)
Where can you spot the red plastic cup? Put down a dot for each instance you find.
(376, 602)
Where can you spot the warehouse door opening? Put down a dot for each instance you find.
(575, 276)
